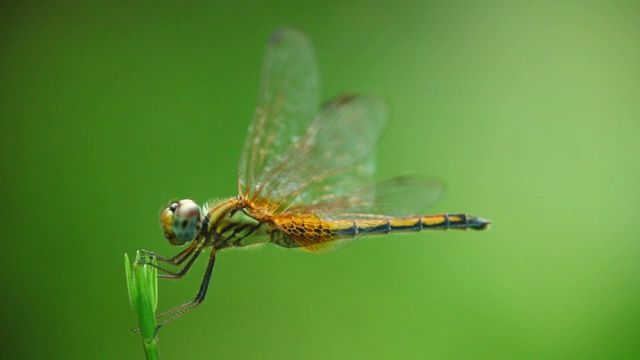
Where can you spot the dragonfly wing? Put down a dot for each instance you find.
(400, 196)
(332, 158)
(288, 99)
(300, 165)
(327, 246)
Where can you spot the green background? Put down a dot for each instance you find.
(529, 111)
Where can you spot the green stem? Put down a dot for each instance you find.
(142, 281)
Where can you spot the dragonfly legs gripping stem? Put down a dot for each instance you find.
(177, 259)
(191, 253)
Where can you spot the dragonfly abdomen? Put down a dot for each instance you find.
(317, 235)
(418, 223)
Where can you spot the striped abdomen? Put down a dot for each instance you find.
(319, 235)
(427, 222)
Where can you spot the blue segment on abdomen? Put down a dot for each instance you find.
(351, 231)
(383, 228)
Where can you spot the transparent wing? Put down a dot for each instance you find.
(288, 99)
(319, 167)
(400, 196)
(331, 159)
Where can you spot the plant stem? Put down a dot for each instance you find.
(142, 282)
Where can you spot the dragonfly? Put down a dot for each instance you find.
(306, 178)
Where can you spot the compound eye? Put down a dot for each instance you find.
(180, 221)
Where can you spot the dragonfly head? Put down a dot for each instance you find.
(181, 221)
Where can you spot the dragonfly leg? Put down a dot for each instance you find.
(192, 255)
(175, 260)
(197, 300)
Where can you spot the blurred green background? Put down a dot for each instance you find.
(530, 111)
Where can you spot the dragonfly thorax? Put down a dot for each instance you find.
(181, 221)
